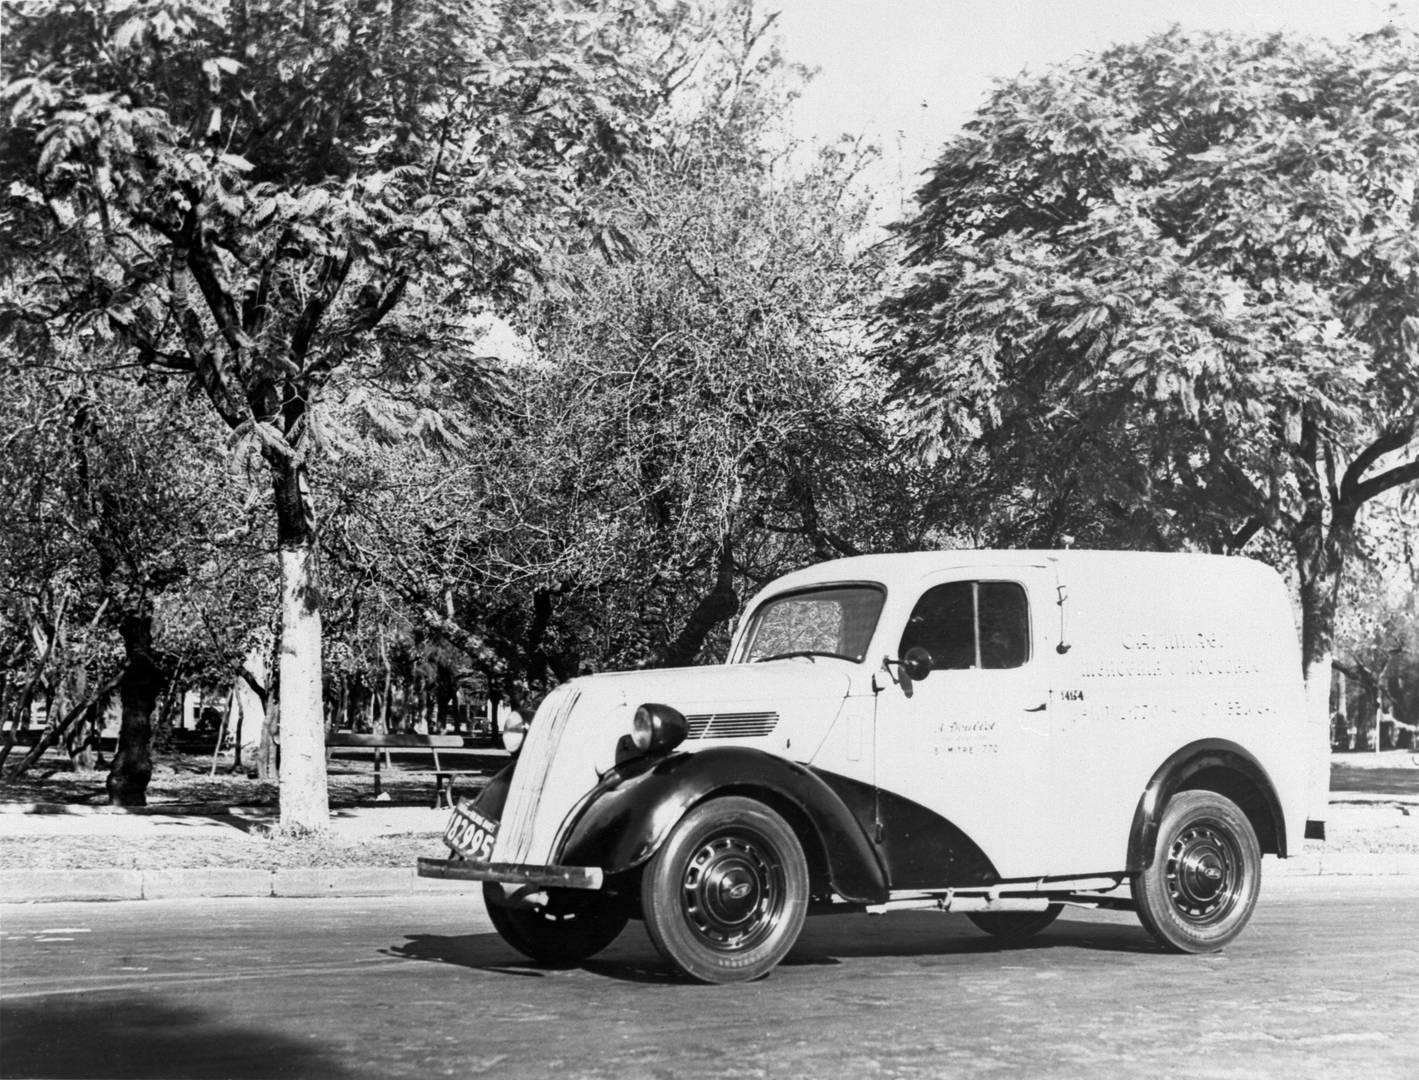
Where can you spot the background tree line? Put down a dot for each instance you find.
(451, 342)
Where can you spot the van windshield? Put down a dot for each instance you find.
(835, 620)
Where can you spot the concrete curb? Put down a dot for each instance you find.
(23, 886)
(173, 809)
(1345, 864)
(46, 886)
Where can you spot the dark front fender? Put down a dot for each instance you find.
(626, 819)
(1210, 765)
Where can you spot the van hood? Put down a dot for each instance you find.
(784, 707)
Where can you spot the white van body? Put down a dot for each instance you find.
(1119, 681)
(1159, 651)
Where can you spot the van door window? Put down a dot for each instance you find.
(971, 624)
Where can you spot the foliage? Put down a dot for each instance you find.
(121, 509)
(1168, 296)
(688, 422)
(1144, 283)
(243, 194)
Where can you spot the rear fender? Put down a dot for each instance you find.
(1211, 765)
(629, 815)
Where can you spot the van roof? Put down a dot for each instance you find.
(908, 567)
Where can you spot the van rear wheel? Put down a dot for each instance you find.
(1206, 873)
(725, 896)
(1013, 927)
(574, 924)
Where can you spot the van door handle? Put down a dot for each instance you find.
(1039, 708)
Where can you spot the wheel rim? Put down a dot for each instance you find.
(733, 891)
(1204, 874)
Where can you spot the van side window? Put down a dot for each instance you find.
(968, 624)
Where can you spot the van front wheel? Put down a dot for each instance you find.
(1206, 873)
(725, 896)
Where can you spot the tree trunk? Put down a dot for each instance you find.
(305, 798)
(142, 682)
(163, 738)
(266, 748)
(446, 717)
(1320, 561)
(82, 740)
(717, 606)
(1342, 706)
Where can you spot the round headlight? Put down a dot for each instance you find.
(514, 730)
(658, 729)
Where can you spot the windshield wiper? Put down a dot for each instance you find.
(810, 653)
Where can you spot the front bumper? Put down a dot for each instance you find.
(565, 877)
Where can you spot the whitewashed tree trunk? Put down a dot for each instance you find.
(248, 717)
(305, 798)
(1317, 736)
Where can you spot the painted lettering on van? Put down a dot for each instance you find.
(1201, 639)
(967, 737)
(1132, 667)
(1210, 709)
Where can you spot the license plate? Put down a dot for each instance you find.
(471, 834)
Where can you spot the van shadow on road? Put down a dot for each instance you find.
(489, 953)
(106, 1035)
(826, 942)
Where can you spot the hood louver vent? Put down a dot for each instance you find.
(740, 725)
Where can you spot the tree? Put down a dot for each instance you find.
(119, 501)
(241, 195)
(687, 424)
(1377, 628)
(1166, 296)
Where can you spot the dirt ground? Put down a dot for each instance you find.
(186, 779)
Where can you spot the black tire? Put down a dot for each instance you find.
(1206, 873)
(1013, 927)
(725, 896)
(575, 924)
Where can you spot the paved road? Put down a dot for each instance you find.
(1324, 983)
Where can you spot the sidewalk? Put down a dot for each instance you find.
(240, 833)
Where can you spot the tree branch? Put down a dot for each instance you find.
(1239, 539)
(1387, 443)
(1377, 485)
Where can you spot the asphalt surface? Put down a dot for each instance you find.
(1323, 983)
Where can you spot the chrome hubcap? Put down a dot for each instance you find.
(733, 891)
(1204, 874)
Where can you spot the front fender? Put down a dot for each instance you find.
(629, 815)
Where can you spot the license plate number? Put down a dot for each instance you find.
(471, 834)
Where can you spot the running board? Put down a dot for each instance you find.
(1096, 893)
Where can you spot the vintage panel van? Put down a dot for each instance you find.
(994, 732)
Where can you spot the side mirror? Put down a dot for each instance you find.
(917, 663)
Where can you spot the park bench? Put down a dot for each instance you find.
(404, 742)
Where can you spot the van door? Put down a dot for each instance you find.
(971, 741)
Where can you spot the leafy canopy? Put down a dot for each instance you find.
(1151, 293)
(245, 191)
